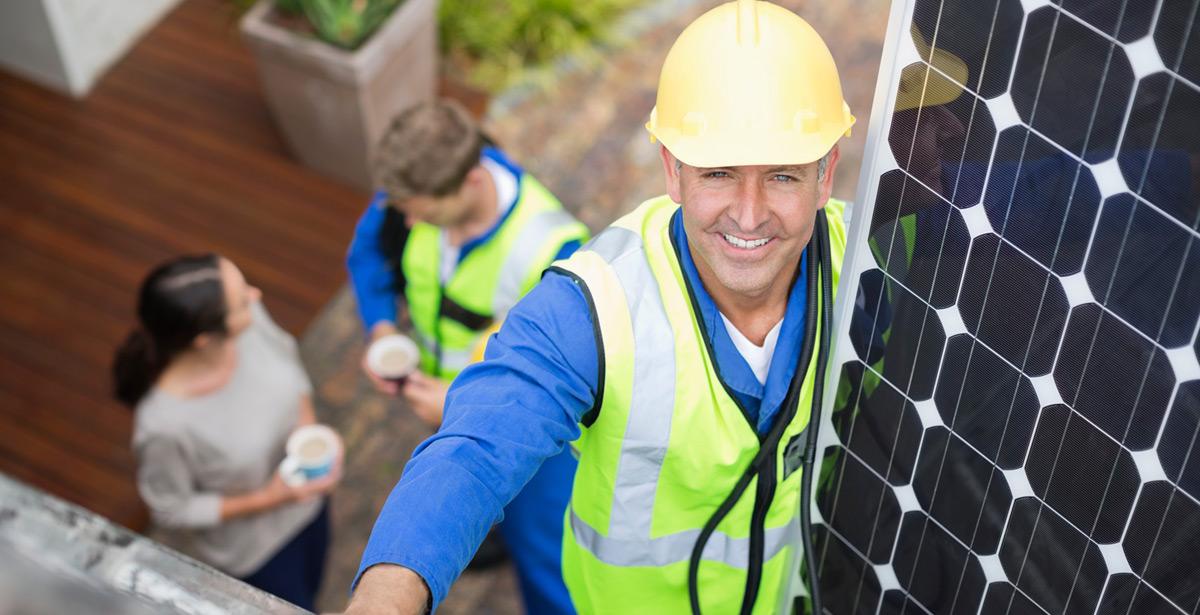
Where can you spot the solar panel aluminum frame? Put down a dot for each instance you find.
(898, 51)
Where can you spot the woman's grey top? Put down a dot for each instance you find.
(191, 452)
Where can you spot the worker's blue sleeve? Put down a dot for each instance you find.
(504, 416)
(370, 273)
(567, 249)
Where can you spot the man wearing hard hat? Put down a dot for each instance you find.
(677, 353)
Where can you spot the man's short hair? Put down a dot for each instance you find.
(428, 150)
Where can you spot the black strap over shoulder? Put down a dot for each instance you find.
(463, 316)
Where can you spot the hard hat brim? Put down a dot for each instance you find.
(747, 148)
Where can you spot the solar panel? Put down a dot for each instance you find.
(1015, 389)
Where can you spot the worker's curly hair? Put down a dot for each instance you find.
(428, 150)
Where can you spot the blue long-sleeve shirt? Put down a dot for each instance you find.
(521, 405)
(372, 275)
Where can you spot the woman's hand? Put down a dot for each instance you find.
(427, 397)
(279, 492)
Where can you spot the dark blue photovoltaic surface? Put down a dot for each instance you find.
(1017, 416)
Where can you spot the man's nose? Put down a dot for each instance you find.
(750, 210)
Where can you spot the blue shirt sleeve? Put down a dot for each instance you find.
(370, 274)
(567, 249)
(504, 416)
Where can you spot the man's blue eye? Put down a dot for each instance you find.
(785, 178)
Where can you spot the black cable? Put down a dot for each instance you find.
(770, 444)
(814, 418)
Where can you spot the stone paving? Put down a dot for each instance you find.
(583, 136)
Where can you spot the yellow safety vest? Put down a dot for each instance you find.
(669, 442)
(449, 320)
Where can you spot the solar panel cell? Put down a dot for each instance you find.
(1114, 377)
(939, 572)
(986, 401)
(983, 34)
(1042, 200)
(1069, 469)
(962, 490)
(869, 515)
(876, 422)
(918, 239)
(1145, 267)
(1072, 84)
(1178, 448)
(1013, 305)
(1130, 17)
(1004, 599)
(1127, 594)
(1161, 147)
(851, 583)
(1050, 560)
(1160, 546)
(1177, 36)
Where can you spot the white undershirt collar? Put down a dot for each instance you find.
(757, 357)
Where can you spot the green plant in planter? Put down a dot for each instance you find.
(343, 23)
(493, 41)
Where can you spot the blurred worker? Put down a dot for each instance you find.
(675, 351)
(460, 233)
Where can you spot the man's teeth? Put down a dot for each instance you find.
(742, 243)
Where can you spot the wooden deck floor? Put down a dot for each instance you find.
(173, 152)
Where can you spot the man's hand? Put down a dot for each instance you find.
(380, 329)
(387, 589)
(427, 396)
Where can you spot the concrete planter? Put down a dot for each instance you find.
(67, 45)
(333, 105)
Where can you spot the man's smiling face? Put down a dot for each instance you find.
(748, 225)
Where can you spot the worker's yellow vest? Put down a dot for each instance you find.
(449, 320)
(669, 442)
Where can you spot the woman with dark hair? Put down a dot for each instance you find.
(217, 388)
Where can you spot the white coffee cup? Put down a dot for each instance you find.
(393, 357)
(311, 452)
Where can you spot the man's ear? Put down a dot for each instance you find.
(671, 174)
(826, 186)
(475, 175)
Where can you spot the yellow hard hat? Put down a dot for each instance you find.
(916, 89)
(749, 83)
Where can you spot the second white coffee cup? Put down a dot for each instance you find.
(393, 357)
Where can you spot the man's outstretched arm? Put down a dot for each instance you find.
(504, 417)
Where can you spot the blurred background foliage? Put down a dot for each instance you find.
(490, 42)
(486, 43)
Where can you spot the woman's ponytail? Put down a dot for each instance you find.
(135, 368)
(178, 301)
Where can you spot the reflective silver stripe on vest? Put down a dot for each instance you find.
(648, 431)
(678, 547)
(452, 360)
(528, 246)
